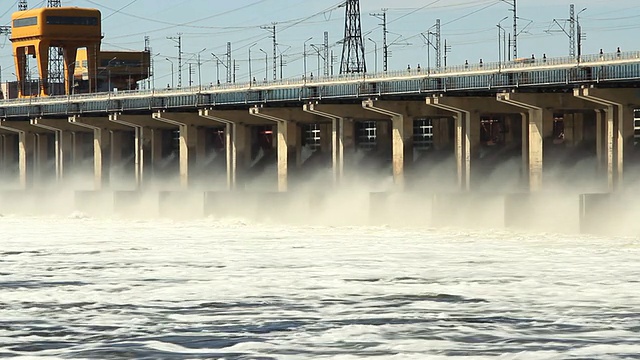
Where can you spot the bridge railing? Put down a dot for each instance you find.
(465, 70)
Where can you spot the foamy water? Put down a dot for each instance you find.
(77, 287)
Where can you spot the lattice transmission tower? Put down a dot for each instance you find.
(353, 59)
(56, 62)
(22, 5)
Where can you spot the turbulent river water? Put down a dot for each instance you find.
(78, 287)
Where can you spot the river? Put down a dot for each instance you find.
(91, 288)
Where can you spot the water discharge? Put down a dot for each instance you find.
(360, 271)
(80, 287)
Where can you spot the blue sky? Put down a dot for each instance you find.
(468, 25)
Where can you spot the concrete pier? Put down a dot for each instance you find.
(237, 142)
(523, 160)
(102, 144)
(68, 144)
(30, 160)
(289, 142)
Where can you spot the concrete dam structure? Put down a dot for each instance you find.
(548, 144)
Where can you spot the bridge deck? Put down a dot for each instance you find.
(622, 69)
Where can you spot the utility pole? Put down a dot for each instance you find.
(235, 69)
(326, 54)
(281, 65)
(447, 50)
(514, 9)
(385, 47)
(353, 59)
(438, 45)
(178, 41)
(147, 50)
(272, 30)
(230, 72)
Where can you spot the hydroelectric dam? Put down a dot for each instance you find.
(547, 141)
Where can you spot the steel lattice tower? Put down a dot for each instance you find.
(56, 62)
(22, 5)
(353, 59)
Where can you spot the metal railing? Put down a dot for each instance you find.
(493, 75)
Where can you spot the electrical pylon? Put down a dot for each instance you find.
(353, 59)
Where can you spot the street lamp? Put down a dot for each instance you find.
(250, 75)
(304, 55)
(266, 65)
(109, 71)
(375, 52)
(172, 74)
(579, 33)
(501, 31)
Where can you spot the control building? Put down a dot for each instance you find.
(35, 31)
(78, 33)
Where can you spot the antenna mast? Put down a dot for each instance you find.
(353, 60)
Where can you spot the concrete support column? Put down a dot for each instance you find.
(101, 149)
(234, 134)
(41, 149)
(618, 125)
(189, 147)
(600, 140)
(283, 155)
(534, 135)
(67, 145)
(140, 135)
(288, 139)
(401, 136)
(243, 153)
(536, 148)
(472, 133)
(337, 139)
(26, 150)
(462, 140)
(525, 144)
